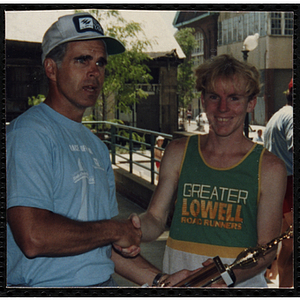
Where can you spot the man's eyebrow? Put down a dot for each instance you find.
(89, 57)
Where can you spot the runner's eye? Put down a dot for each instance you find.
(213, 97)
(234, 98)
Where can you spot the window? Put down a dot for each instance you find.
(198, 52)
(288, 23)
(276, 23)
(240, 25)
(282, 23)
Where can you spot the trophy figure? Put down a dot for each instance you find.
(216, 271)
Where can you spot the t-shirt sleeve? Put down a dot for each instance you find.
(289, 134)
(29, 169)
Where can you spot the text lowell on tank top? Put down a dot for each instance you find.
(216, 209)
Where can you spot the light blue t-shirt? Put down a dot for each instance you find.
(57, 164)
(278, 136)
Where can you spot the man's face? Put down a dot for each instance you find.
(226, 107)
(81, 74)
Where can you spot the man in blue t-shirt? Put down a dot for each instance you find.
(60, 183)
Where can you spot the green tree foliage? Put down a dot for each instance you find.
(186, 79)
(125, 71)
(36, 100)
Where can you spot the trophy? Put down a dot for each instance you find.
(217, 270)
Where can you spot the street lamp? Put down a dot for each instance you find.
(250, 43)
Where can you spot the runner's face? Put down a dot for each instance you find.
(81, 75)
(226, 107)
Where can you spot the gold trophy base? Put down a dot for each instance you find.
(208, 275)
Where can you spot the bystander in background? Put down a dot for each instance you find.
(258, 138)
(189, 116)
(278, 139)
(158, 153)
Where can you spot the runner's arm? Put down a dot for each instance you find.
(154, 220)
(269, 216)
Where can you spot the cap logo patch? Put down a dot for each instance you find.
(87, 23)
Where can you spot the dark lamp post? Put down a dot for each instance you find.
(250, 43)
(245, 55)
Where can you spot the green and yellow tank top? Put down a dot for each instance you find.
(216, 209)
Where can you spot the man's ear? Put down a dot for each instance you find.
(50, 68)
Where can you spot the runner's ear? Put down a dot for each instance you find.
(251, 105)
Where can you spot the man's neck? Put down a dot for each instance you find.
(69, 112)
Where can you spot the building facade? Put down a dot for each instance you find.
(24, 76)
(273, 55)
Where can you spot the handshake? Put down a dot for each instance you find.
(129, 246)
(130, 234)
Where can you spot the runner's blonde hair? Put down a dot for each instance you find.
(229, 69)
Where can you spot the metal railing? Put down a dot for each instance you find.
(126, 144)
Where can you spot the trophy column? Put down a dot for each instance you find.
(208, 275)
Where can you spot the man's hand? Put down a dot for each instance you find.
(133, 249)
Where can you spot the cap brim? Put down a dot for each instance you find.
(113, 46)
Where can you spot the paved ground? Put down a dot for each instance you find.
(193, 128)
(153, 251)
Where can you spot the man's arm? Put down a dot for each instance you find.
(39, 232)
(140, 271)
(269, 216)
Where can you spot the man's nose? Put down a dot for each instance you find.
(94, 70)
